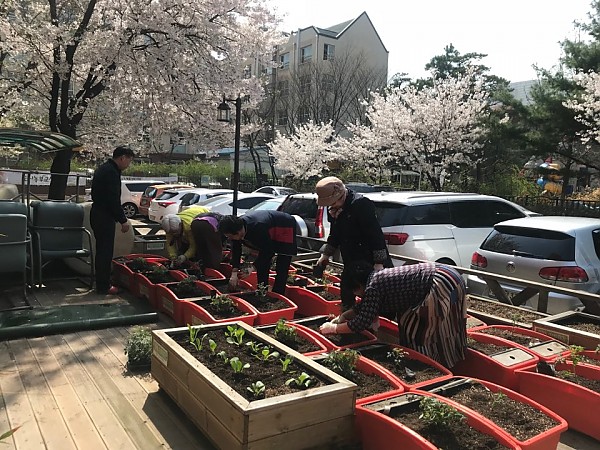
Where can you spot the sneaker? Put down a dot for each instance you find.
(113, 290)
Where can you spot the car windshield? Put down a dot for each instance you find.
(269, 205)
(166, 195)
(531, 243)
(150, 191)
(303, 207)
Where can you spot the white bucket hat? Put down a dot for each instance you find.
(171, 223)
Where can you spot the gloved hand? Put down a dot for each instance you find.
(323, 260)
(328, 328)
(233, 280)
(181, 259)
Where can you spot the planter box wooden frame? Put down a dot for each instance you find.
(491, 319)
(552, 326)
(320, 416)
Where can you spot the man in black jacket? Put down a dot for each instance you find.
(270, 233)
(106, 211)
(354, 230)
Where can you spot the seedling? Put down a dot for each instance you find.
(187, 285)
(235, 335)
(222, 303)
(261, 292)
(286, 362)
(237, 365)
(285, 333)
(398, 357)
(498, 398)
(255, 347)
(257, 389)
(302, 381)
(265, 354)
(223, 356)
(212, 346)
(194, 339)
(439, 414)
(342, 362)
(575, 356)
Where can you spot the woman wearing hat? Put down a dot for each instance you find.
(354, 230)
(193, 234)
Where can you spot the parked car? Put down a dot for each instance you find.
(276, 190)
(169, 202)
(223, 204)
(314, 216)
(131, 193)
(365, 187)
(154, 191)
(440, 226)
(556, 250)
(195, 196)
(272, 204)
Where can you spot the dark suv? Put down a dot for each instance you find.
(305, 206)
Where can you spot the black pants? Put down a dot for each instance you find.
(282, 267)
(103, 226)
(209, 247)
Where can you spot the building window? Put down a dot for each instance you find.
(328, 52)
(284, 61)
(284, 88)
(282, 117)
(305, 54)
(247, 72)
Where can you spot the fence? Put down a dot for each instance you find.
(558, 207)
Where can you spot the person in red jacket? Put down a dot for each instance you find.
(268, 232)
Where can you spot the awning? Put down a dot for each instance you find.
(41, 141)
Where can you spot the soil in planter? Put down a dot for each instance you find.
(223, 286)
(567, 375)
(220, 314)
(411, 371)
(459, 437)
(297, 281)
(485, 347)
(264, 304)
(581, 325)
(299, 344)
(138, 266)
(498, 309)
(520, 420)
(157, 277)
(270, 373)
(187, 291)
(337, 339)
(509, 335)
(323, 292)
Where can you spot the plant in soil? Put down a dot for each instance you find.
(337, 339)
(485, 347)
(511, 313)
(138, 347)
(569, 372)
(399, 362)
(231, 360)
(139, 265)
(288, 335)
(520, 420)
(223, 304)
(441, 424)
(187, 288)
(302, 381)
(262, 301)
(343, 362)
(293, 280)
(257, 389)
(159, 274)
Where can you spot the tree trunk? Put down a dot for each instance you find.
(61, 166)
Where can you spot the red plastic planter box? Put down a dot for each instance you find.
(368, 367)
(303, 334)
(123, 275)
(310, 303)
(444, 373)
(194, 314)
(548, 439)
(167, 301)
(547, 349)
(268, 317)
(578, 405)
(499, 367)
(380, 431)
(144, 288)
(368, 338)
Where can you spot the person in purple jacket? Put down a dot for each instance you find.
(429, 300)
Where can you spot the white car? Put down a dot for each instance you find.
(555, 250)
(275, 190)
(169, 201)
(446, 227)
(223, 204)
(194, 196)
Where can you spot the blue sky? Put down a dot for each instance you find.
(515, 34)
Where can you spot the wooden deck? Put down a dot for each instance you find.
(73, 391)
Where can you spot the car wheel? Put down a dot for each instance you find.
(447, 261)
(130, 210)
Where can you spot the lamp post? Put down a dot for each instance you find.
(224, 115)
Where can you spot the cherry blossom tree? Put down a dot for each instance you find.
(104, 71)
(587, 106)
(433, 130)
(307, 151)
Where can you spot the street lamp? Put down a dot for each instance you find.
(224, 115)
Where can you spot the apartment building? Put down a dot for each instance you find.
(324, 74)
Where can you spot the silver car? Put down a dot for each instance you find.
(556, 250)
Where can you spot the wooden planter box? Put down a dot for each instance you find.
(557, 327)
(317, 417)
(512, 315)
